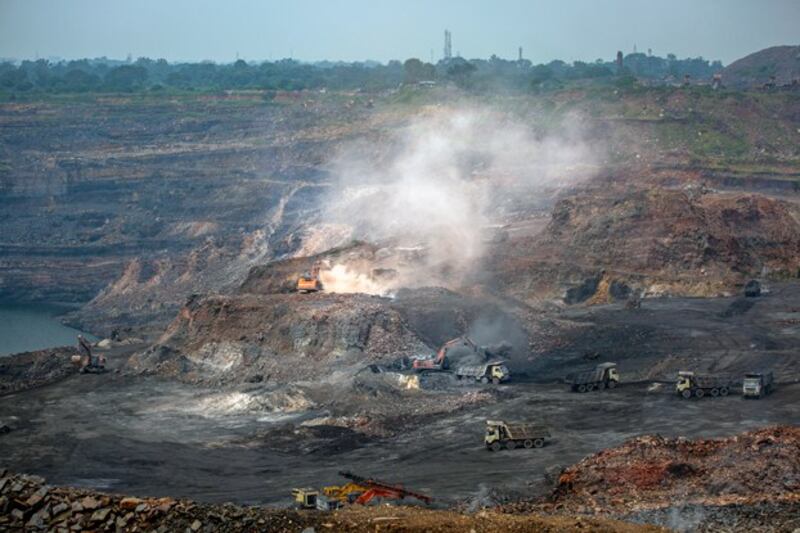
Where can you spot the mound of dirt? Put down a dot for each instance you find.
(657, 241)
(26, 503)
(653, 471)
(285, 337)
(34, 369)
(780, 62)
(748, 482)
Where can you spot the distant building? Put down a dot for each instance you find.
(619, 59)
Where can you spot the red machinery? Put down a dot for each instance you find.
(382, 489)
(440, 361)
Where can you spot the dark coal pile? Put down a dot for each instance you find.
(35, 369)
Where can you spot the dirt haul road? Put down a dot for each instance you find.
(149, 437)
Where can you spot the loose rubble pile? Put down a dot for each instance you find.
(26, 503)
(651, 474)
(34, 369)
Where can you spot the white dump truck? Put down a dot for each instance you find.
(494, 371)
(757, 384)
(510, 435)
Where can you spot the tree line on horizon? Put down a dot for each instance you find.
(144, 74)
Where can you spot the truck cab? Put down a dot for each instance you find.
(684, 382)
(305, 498)
(499, 372)
(756, 384)
(611, 372)
(495, 432)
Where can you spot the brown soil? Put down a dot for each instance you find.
(27, 503)
(653, 472)
(285, 336)
(657, 241)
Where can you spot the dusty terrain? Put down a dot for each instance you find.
(186, 222)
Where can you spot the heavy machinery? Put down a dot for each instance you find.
(382, 489)
(690, 384)
(347, 493)
(757, 384)
(307, 498)
(309, 281)
(440, 361)
(87, 361)
(511, 435)
(494, 371)
(603, 376)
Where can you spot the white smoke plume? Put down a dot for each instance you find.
(442, 186)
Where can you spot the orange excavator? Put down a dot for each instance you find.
(440, 361)
(309, 281)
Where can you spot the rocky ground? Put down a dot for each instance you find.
(187, 222)
(604, 245)
(35, 369)
(748, 480)
(27, 503)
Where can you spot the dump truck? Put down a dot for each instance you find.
(698, 385)
(603, 376)
(513, 434)
(757, 384)
(494, 371)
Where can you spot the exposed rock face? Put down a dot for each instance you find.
(659, 241)
(88, 187)
(285, 336)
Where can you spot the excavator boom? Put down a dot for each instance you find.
(383, 489)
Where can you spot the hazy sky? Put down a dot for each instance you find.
(349, 30)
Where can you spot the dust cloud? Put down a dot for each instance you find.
(437, 185)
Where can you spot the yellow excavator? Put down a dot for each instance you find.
(347, 493)
(309, 281)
